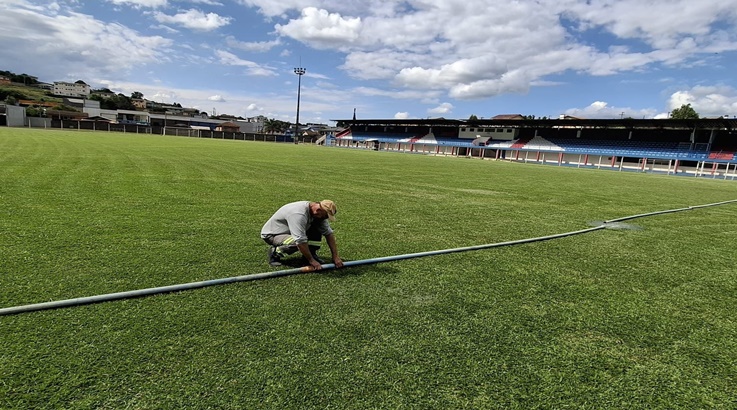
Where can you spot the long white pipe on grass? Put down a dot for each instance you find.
(613, 223)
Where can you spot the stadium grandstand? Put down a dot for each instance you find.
(702, 147)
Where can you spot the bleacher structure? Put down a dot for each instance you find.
(706, 147)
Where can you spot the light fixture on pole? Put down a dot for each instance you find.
(300, 72)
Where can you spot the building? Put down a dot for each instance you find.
(228, 127)
(139, 103)
(81, 103)
(508, 117)
(76, 89)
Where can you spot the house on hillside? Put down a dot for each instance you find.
(75, 89)
(508, 117)
(139, 103)
(34, 103)
(228, 127)
(81, 103)
(44, 86)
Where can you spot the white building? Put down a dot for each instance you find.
(77, 89)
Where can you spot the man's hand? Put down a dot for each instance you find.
(315, 265)
(338, 262)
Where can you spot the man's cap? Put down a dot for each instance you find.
(329, 207)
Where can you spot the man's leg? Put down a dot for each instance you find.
(281, 246)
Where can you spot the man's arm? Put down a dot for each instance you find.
(330, 238)
(304, 248)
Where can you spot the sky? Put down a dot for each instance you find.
(388, 58)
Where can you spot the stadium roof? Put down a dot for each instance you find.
(702, 123)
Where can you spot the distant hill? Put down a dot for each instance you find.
(21, 92)
(19, 78)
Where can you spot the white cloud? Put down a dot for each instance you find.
(140, 3)
(416, 95)
(602, 110)
(257, 46)
(253, 69)
(271, 8)
(194, 19)
(217, 98)
(442, 109)
(477, 49)
(165, 28)
(277, 106)
(231, 59)
(208, 2)
(662, 24)
(463, 71)
(68, 44)
(317, 75)
(711, 101)
(412, 52)
(321, 29)
(167, 97)
(381, 64)
(401, 115)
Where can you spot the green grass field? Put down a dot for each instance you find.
(636, 319)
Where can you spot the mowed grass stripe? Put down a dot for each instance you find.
(609, 319)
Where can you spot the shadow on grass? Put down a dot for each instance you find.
(360, 270)
(291, 263)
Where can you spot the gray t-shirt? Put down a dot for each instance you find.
(294, 219)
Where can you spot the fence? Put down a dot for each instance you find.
(710, 169)
(87, 125)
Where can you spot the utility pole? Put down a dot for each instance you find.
(300, 72)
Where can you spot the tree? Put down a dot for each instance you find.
(271, 126)
(137, 95)
(62, 107)
(33, 112)
(115, 102)
(685, 112)
(17, 95)
(473, 117)
(24, 78)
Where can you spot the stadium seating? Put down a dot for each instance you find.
(405, 138)
(631, 148)
(622, 148)
(722, 155)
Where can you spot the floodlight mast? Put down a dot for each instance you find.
(300, 71)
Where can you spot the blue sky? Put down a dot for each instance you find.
(388, 59)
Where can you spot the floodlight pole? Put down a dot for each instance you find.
(300, 72)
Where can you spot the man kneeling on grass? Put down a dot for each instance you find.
(300, 226)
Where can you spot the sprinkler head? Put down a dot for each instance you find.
(616, 225)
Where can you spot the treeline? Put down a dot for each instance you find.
(112, 101)
(15, 95)
(19, 78)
